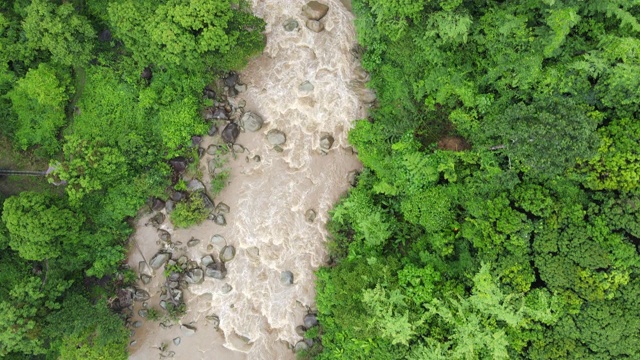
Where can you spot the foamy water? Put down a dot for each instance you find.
(269, 198)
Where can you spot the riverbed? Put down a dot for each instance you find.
(269, 198)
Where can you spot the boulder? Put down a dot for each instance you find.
(326, 141)
(301, 330)
(211, 166)
(195, 185)
(143, 313)
(220, 114)
(315, 10)
(352, 177)
(300, 346)
(230, 133)
(214, 319)
(237, 148)
(146, 279)
(222, 208)
(314, 25)
(306, 86)
(220, 220)
(178, 164)
(310, 320)
(213, 129)
(208, 204)
(141, 295)
(216, 271)
(286, 277)
(196, 140)
(231, 79)
(251, 121)
(177, 341)
(227, 253)
(290, 24)
(207, 260)
(207, 113)
(218, 240)
(194, 276)
(177, 196)
(240, 88)
(310, 215)
(209, 93)
(188, 330)
(226, 288)
(276, 137)
(157, 204)
(137, 324)
(159, 259)
(164, 235)
(157, 219)
(143, 268)
(170, 204)
(212, 149)
(201, 152)
(193, 242)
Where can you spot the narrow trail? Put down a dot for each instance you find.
(269, 198)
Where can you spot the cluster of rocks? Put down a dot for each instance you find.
(309, 321)
(314, 11)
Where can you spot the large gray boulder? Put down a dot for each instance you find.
(251, 121)
(159, 259)
(195, 185)
(227, 253)
(276, 137)
(286, 277)
(207, 260)
(188, 330)
(310, 320)
(315, 10)
(314, 25)
(141, 295)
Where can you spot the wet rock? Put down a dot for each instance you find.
(310, 320)
(164, 235)
(133, 343)
(157, 219)
(207, 113)
(157, 204)
(173, 284)
(315, 10)
(193, 242)
(230, 133)
(211, 166)
(188, 330)
(216, 271)
(326, 141)
(226, 288)
(352, 177)
(276, 137)
(240, 88)
(208, 204)
(201, 152)
(163, 304)
(207, 260)
(227, 253)
(143, 268)
(218, 240)
(146, 279)
(195, 185)
(314, 25)
(222, 208)
(300, 346)
(278, 148)
(212, 149)
(231, 79)
(301, 330)
(306, 86)
(178, 164)
(169, 206)
(213, 129)
(143, 313)
(174, 276)
(310, 215)
(195, 276)
(237, 148)
(290, 24)
(196, 140)
(209, 93)
(177, 341)
(158, 260)
(220, 114)
(309, 342)
(220, 220)
(368, 96)
(214, 319)
(177, 196)
(286, 277)
(141, 295)
(251, 121)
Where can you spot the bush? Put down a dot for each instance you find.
(189, 213)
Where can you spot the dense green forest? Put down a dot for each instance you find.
(106, 91)
(497, 216)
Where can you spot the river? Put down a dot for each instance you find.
(269, 198)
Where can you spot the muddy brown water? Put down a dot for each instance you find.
(269, 198)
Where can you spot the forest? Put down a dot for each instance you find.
(497, 216)
(105, 92)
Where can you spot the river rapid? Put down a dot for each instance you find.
(268, 198)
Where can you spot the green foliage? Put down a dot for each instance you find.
(38, 100)
(39, 228)
(190, 212)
